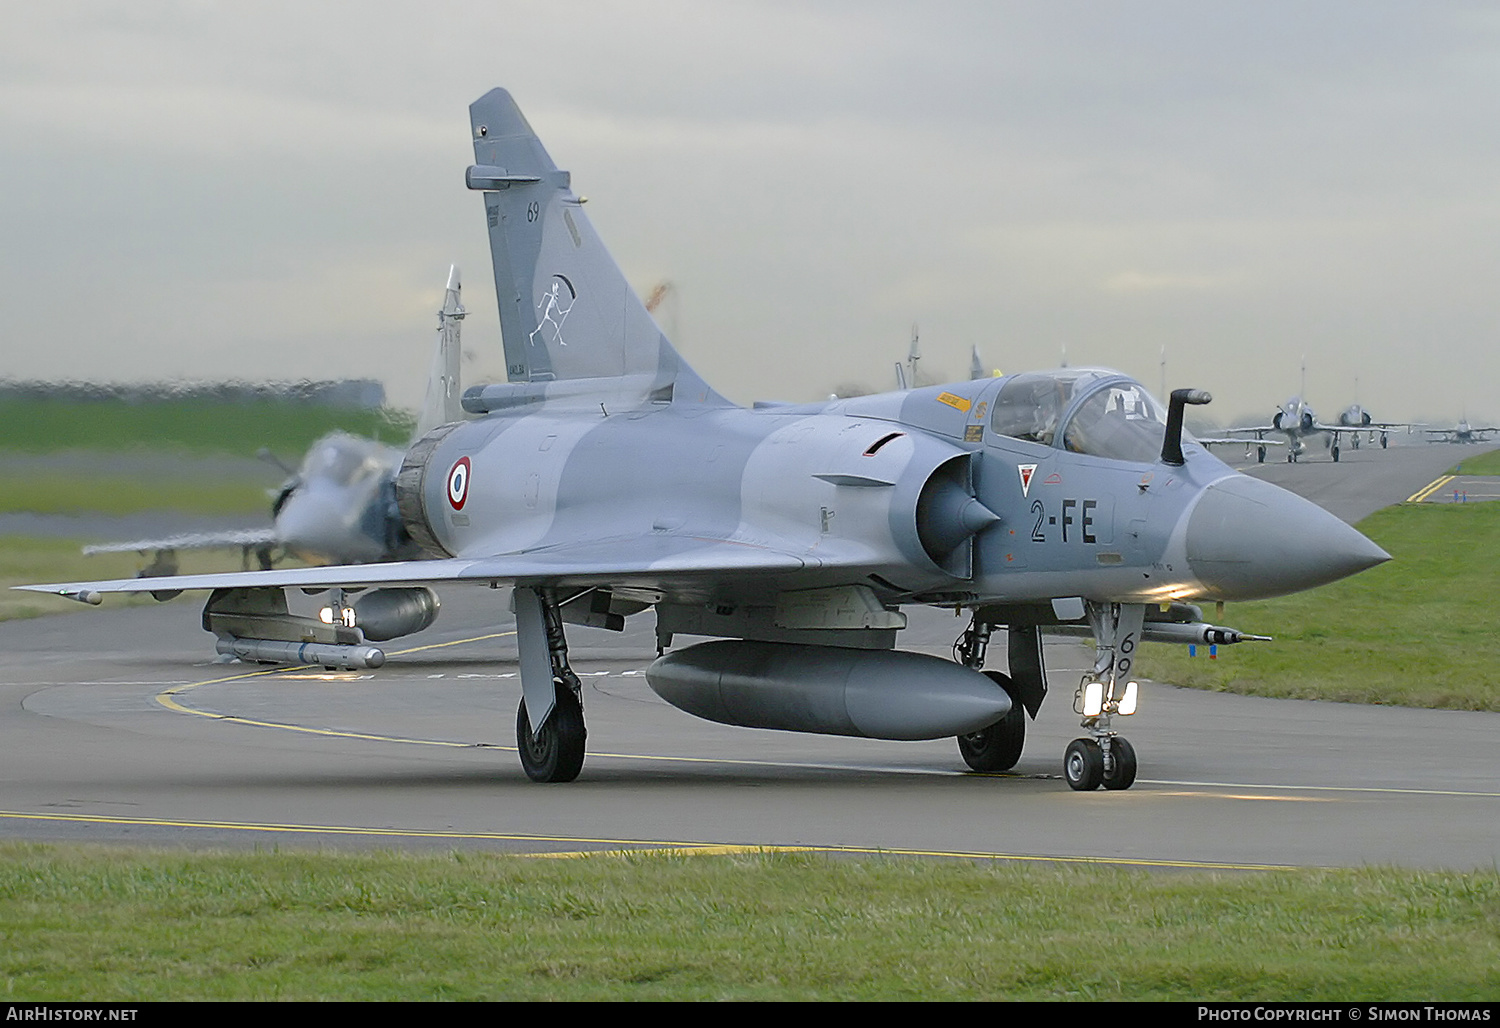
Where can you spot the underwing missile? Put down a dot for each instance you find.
(273, 651)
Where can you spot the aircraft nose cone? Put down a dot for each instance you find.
(1248, 539)
(322, 531)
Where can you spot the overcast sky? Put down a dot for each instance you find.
(275, 190)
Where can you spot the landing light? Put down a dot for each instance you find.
(1093, 699)
(1128, 701)
(326, 616)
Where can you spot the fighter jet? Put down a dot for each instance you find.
(1297, 422)
(1356, 417)
(606, 478)
(913, 358)
(339, 506)
(977, 370)
(1463, 432)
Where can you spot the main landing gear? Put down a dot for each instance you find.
(998, 747)
(1106, 758)
(552, 745)
(555, 753)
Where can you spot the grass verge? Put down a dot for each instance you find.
(1483, 464)
(1415, 631)
(109, 925)
(117, 495)
(25, 561)
(193, 426)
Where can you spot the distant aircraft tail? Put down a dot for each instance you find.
(566, 310)
(442, 403)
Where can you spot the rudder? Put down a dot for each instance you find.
(566, 310)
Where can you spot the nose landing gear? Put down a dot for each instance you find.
(1105, 758)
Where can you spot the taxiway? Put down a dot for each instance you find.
(116, 725)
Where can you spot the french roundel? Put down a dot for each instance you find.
(458, 483)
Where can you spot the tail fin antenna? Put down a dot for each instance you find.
(441, 404)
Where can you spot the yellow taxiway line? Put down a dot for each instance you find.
(167, 698)
(625, 847)
(1244, 790)
(1427, 490)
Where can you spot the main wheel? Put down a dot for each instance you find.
(1335, 454)
(1083, 765)
(997, 747)
(1260, 455)
(1122, 776)
(555, 754)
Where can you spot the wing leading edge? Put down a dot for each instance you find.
(653, 559)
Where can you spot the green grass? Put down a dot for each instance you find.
(64, 493)
(80, 923)
(1481, 464)
(1417, 631)
(25, 561)
(193, 426)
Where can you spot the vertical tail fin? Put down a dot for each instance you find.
(441, 404)
(566, 310)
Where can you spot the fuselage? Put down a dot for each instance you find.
(951, 493)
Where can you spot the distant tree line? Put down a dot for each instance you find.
(356, 392)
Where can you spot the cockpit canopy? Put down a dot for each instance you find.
(1085, 410)
(345, 459)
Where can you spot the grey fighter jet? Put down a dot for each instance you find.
(606, 478)
(1296, 422)
(1357, 417)
(1463, 432)
(338, 507)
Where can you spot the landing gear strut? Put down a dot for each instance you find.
(1106, 758)
(552, 744)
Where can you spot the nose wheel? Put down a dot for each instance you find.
(1083, 765)
(1108, 761)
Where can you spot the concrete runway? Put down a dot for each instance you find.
(117, 726)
